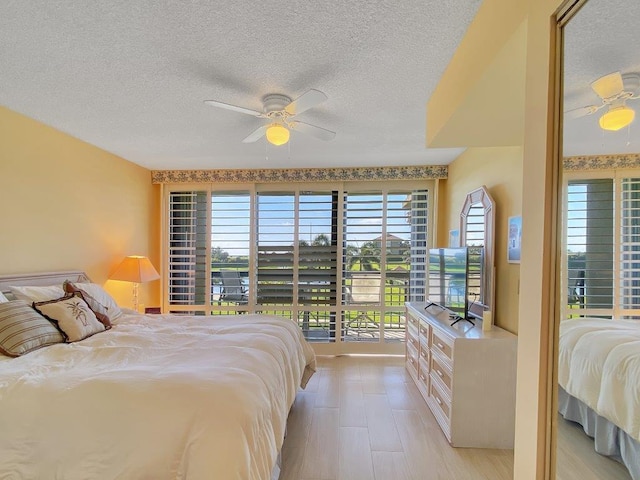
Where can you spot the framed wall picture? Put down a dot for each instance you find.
(454, 238)
(515, 239)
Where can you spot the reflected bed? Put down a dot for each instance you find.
(599, 384)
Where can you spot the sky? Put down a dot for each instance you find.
(276, 224)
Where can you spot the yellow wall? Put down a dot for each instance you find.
(68, 205)
(500, 170)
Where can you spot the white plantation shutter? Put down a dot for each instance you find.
(318, 248)
(279, 251)
(297, 248)
(419, 245)
(590, 246)
(230, 244)
(601, 274)
(187, 222)
(475, 226)
(629, 302)
(276, 239)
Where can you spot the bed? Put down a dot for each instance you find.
(599, 384)
(155, 397)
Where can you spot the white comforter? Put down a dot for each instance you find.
(599, 363)
(157, 397)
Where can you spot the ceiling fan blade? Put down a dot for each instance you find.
(318, 132)
(608, 86)
(256, 135)
(305, 102)
(233, 108)
(582, 111)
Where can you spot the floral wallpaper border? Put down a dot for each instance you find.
(300, 174)
(602, 162)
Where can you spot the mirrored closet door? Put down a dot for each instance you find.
(598, 314)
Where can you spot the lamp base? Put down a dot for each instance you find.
(135, 296)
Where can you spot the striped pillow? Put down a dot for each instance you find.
(23, 330)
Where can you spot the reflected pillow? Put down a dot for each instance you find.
(72, 315)
(23, 330)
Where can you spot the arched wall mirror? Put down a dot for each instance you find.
(477, 229)
(597, 321)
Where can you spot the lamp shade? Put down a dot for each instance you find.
(277, 134)
(617, 118)
(136, 269)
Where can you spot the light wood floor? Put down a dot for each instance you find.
(363, 418)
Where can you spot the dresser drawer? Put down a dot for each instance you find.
(424, 331)
(443, 373)
(442, 344)
(412, 322)
(412, 359)
(413, 342)
(440, 401)
(423, 374)
(424, 352)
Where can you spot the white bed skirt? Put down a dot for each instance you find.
(609, 440)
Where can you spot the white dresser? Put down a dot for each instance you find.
(466, 376)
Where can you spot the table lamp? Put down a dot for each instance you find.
(136, 269)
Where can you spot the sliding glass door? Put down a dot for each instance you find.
(339, 260)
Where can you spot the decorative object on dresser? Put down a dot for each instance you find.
(477, 229)
(467, 377)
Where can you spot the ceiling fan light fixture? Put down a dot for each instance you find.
(277, 134)
(617, 118)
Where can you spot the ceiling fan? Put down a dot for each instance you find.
(611, 89)
(280, 111)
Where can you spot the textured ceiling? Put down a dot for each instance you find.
(602, 38)
(131, 76)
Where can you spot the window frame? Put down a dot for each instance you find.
(336, 346)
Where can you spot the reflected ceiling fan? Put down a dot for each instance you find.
(280, 111)
(611, 89)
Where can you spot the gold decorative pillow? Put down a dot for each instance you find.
(72, 315)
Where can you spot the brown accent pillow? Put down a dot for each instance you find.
(72, 316)
(96, 307)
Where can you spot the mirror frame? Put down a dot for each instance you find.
(562, 16)
(481, 195)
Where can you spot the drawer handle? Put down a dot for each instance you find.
(423, 331)
(412, 360)
(439, 401)
(440, 346)
(423, 353)
(422, 377)
(440, 374)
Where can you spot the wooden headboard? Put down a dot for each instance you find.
(41, 279)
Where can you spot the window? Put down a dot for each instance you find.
(602, 267)
(304, 253)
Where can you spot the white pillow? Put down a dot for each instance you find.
(101, 296)
(3, 299)
(32, 294)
